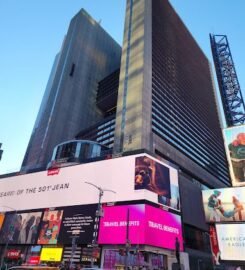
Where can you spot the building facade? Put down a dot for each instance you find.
(87, 56)
(165, 105)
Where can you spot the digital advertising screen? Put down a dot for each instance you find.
(235, 148)
(33, 255)
(162, 228)
(113, 226)
(78, 221)
(132, 178)
(154, 176)
(2, 216)
(231, 239)
(224, 205)
(147, 225)
(50, 227)
(51, 254)
(20, 228)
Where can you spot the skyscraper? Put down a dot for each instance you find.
(88, 54)
(166, 105)
(166, 98)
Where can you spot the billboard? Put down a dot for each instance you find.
(147, 225)
(20, 228)
(50, 227)
(235, 148)
(152, 175)
(224, 205)
(51, 254)
(78, 222)
(231, 241)
(65, 186)
(2, 216)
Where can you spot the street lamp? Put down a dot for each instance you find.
(9, 235)
(99, 213)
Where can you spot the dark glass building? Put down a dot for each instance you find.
(166, 105)
(87, 56)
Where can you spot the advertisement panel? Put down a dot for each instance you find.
(113, 226)
(224, 205)
(154, 176)
(147, 225)
(162, 228)
(33, 256)
(2, 216)
(78, 221)
(50, 227)
(214, 245)
(20, 228)
(231, 239)
(51, 254)
(64, 187)
(235, 148)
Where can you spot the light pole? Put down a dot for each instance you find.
(99, 213)
(9, 236)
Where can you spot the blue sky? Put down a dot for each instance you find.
(32, 32)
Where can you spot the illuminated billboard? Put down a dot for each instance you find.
(155, 177)
(231, 239)
(51, 254)
(20, 228)
(50, 227)
(147, 225)
(224, 205)
(65, 186)
(235, 148)
(2, 216)
(78, 222)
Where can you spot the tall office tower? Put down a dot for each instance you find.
(166, 105)
(166, 101)
(87, 56)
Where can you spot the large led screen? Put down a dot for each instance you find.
(2, 216)
(235, 149)
(162, 228)
(50, 227)
(231, 239)
(20, 228)
(156, 177)
(147, 225)
(51, 254)
(68, 186)
(226, 204)
(78, 222)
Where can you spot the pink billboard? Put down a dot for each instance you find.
(162, 228)
(147, 225)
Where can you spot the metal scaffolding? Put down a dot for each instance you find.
(230, 90)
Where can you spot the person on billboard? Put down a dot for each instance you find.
(214, 205)
(216, 208)
(237, 155)
(24, 233)
(238, 207)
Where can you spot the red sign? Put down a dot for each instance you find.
(34, 260)
(13, 254)
(214, 245)
(53, 171)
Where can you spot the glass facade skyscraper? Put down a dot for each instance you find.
(87, 56)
